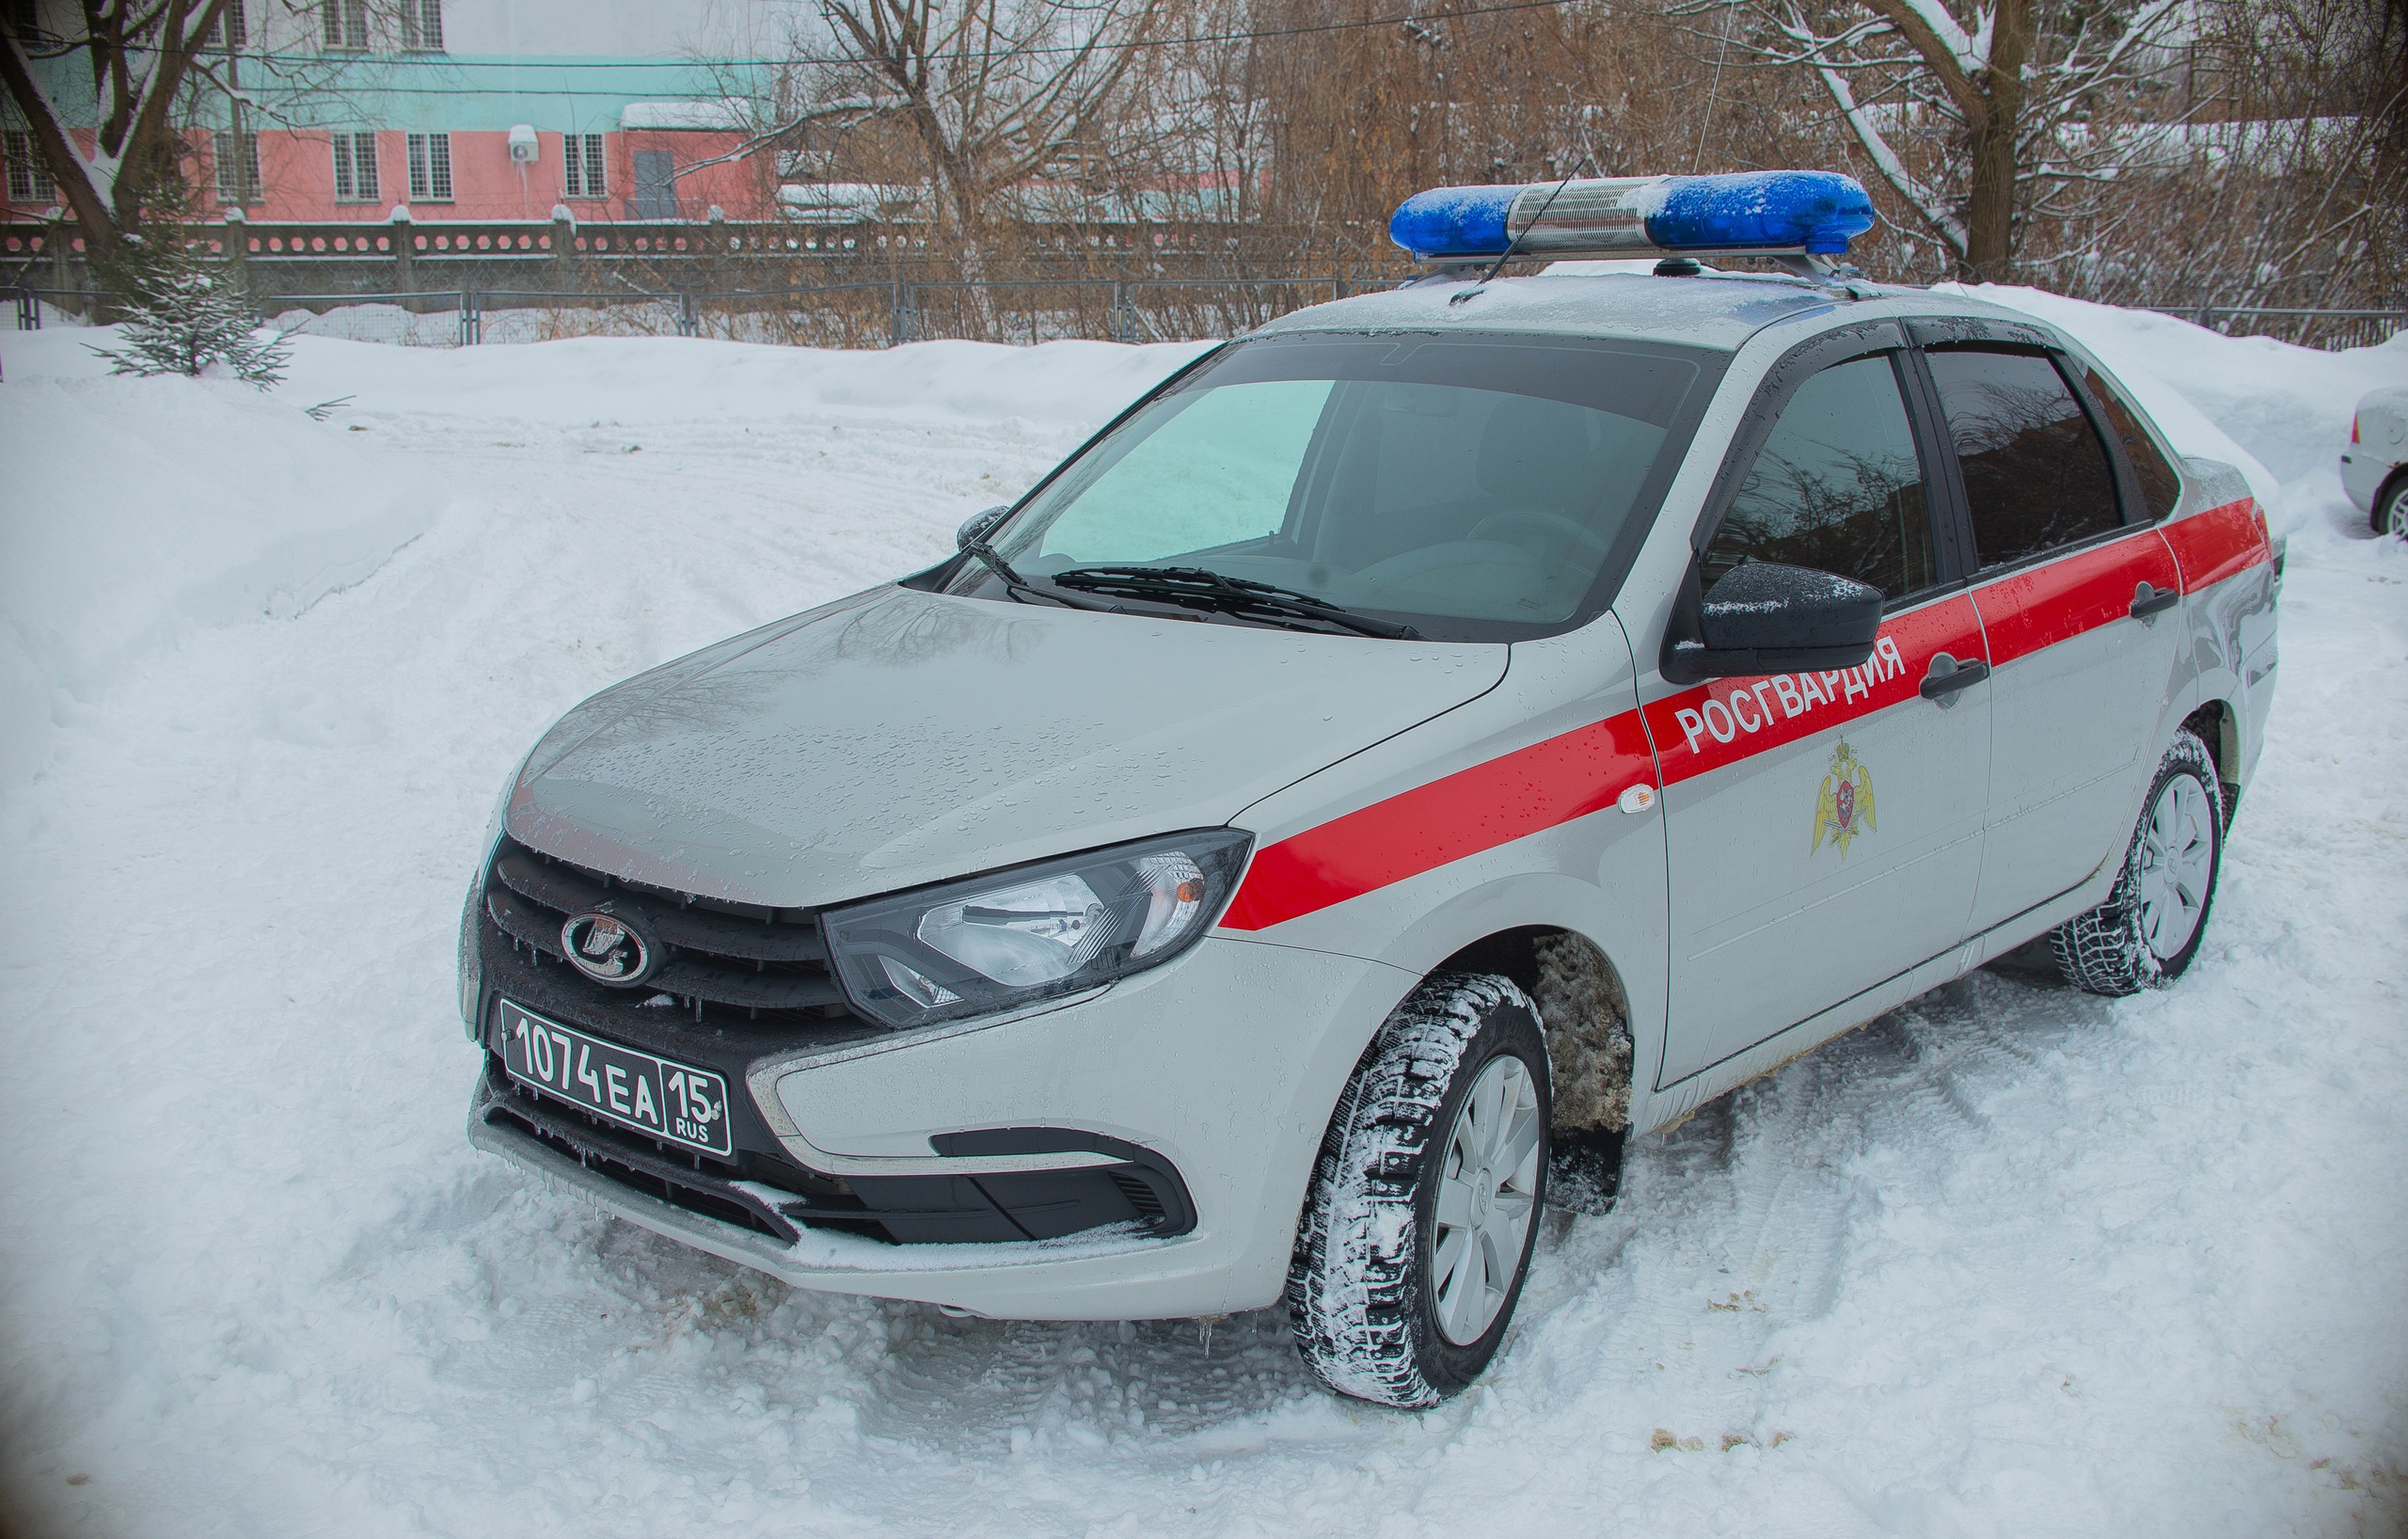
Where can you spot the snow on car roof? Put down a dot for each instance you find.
(1718, 310)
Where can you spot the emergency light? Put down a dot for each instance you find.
(1757, 213)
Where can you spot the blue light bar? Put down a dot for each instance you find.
(1815, 212)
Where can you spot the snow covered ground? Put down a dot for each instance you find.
(2011, 1260)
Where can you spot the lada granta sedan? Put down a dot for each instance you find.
(1419, 744)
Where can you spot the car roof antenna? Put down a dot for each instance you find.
(1587, 162)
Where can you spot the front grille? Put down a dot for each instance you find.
(733, 960)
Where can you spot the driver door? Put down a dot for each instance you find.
(1825, 829)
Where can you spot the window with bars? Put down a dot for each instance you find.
(355, 166)
(28, 175)
(581, 166)
(423, 26)
(26, 16)
(431, 167)
(229, 32)
(238, 168)
(346, 24)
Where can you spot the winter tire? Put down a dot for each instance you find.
(2391, 515)
(1417, 1227)
(2147, 932)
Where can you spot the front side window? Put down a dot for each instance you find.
(355, 166)
(431, 167)
(1471, 488)
(1836, 487)
(2036, 476)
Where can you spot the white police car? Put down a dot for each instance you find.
(1420, 742)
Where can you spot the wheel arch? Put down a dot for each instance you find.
(1585, 1015)
(2391, 482)
(2217, 724)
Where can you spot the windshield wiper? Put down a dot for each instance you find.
(1228, 595)
(1015, 583)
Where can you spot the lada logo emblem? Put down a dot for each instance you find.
(1845, 809)
(605, 949)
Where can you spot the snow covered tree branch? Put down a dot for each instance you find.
(1975, 113)
(139, 53)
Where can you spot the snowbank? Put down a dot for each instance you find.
(139, 509)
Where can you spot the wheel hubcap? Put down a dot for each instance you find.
(2178, 855)
(1488, 1180)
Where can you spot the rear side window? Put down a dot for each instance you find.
(2160, 486)
(1836, 487)
(2036, 476)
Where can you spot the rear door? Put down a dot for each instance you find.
(2079, 599)
(1824, 829)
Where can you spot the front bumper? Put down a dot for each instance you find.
(1222, 1066)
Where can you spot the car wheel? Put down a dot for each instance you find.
(2147, 932)
(2390, 516)
(1418, 1227)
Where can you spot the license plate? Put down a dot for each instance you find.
(670, 1101)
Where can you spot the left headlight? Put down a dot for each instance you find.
(1008, 938)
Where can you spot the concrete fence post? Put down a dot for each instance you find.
(563, 248)
(404, 233)
(60, 240)
(238, 250)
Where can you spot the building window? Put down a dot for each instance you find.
(26, 15)
(238, 169)
(581, 166)
(423, 26)
(346, 24)
(229, 32)
(28, 175)
(431, 167)
(355, 166)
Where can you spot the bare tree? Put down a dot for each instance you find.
(140, 54)
(1979, 114)
(991, 92)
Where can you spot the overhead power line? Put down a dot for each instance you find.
(433, 62)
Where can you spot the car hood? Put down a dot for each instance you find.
(900, 738)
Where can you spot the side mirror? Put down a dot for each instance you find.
(1767, 618)
(979, 525)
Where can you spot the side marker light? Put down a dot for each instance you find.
(1638, 798)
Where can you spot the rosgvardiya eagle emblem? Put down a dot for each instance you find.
(1845, 807)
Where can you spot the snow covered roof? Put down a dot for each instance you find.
(729, 112)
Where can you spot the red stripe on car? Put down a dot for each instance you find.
(1727, 720)
(1524, 792)
(2220, 542)
(2058, 600)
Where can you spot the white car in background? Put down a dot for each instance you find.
(2375, 469)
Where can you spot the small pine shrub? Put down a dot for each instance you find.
(183, 316)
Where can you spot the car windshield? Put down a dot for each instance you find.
(1473, 487)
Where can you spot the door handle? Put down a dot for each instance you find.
(2148, 601)
(1948, 675)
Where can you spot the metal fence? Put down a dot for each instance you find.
(852, 315)
(2326, 328)
(886, 315)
